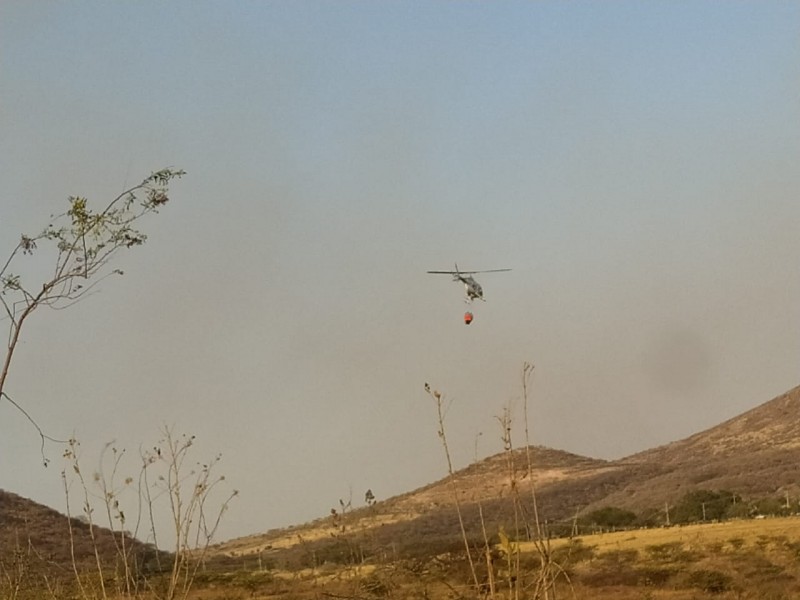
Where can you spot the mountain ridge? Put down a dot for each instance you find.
(754, 453)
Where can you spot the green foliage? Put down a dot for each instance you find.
(707, 505)
(610, 517)
(740, 510)
(770, 506)
(651, 517)
(703, 505)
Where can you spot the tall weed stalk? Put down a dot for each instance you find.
(169, 488)
(438, 398)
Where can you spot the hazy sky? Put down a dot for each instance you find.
(635, 164)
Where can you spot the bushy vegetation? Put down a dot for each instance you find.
(704, 505)
(696, 506)
(610, 517)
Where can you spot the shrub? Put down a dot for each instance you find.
(656, 576)
(713, 582)
(736, 543)
(669, 552)
(619, 557)
(611, 575)
(573, 552)
(794, 548)
(376, 586)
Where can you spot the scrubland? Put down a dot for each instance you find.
(744, 559)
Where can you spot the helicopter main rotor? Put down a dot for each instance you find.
(466, 272)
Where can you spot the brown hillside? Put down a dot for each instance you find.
(774, 425)
(490, 478)
(756, 454)
(428, 511)
(43, 534)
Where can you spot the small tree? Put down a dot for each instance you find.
(770, 506)
(75, 248)
(703, 505)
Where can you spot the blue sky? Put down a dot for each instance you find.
(633, 163)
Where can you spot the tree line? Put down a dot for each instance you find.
(696, 506)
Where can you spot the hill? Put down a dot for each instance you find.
(429, 508)
(42, 536)
(756, 454)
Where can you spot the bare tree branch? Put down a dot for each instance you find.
(42, 434)
(81, 243)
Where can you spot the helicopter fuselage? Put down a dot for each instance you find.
(472, 288)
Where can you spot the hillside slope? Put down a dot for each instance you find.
(43, 534)
(755, 454)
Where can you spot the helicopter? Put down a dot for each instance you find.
(472, 288)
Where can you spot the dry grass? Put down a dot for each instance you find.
(322, 529)
(749, 531)
(746, 560)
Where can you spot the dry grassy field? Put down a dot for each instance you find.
(758, 558)
(745, 560)
(755, 559)
(751, 531)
